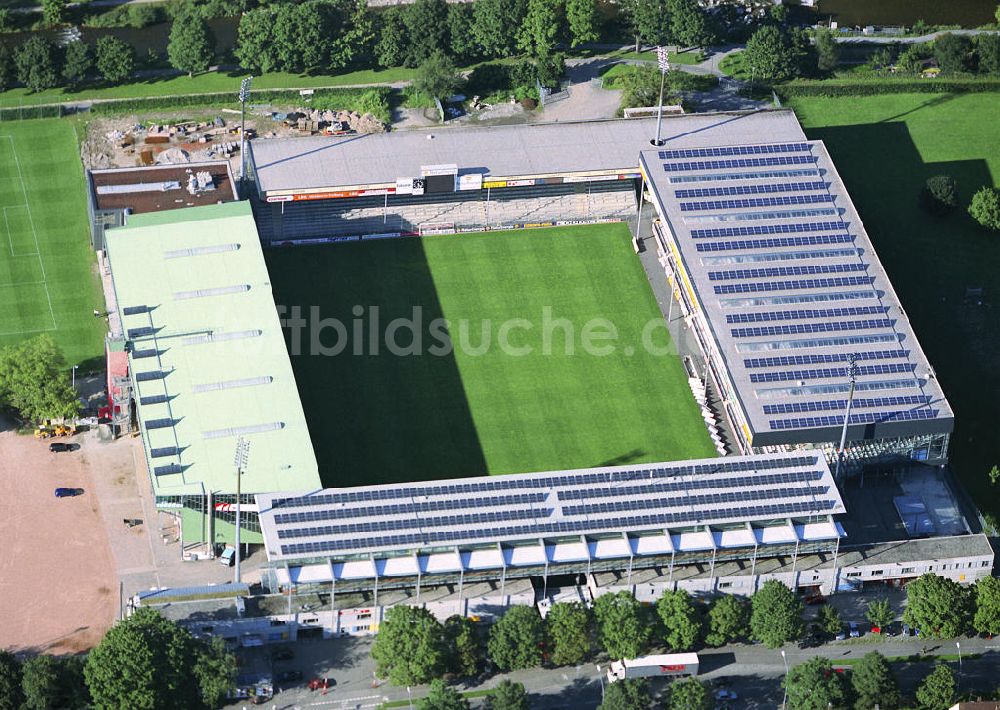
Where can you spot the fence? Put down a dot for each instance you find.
(23, 113)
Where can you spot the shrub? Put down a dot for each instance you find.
(985, 208)
(940, 195)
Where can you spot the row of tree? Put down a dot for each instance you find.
(952, 53)
(145, 661)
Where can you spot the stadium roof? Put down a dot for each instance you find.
(207, 355)
(790, 286)
(671, 501)
(296, 165)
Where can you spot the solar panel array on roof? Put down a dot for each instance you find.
(530, 506)
(782, 274)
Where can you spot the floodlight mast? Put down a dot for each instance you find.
(853, 370)
(244, 97)
(663, 61)
(240, 460)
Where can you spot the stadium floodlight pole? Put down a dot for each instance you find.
(240, 459)
(853, 369)
(244, 97)
(663, 61)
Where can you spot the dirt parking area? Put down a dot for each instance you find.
(58, 587)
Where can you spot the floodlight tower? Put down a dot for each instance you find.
(240, 460)
(244, 97)
(853, 371)
(663, 62)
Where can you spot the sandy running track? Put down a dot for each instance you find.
(58, 586)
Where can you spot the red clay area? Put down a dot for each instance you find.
(58, 586)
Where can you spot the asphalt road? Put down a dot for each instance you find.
(752, 671)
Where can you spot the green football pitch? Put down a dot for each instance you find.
(532, 379)
(47, 279)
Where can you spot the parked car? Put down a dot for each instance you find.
(855, 630)
(841, 635)
(68, 492)
(321, 683)
(282, 653)
(906, 629)
(815, 599)
(57, 447)
(288, 677)
(876, 629)
(725, 694)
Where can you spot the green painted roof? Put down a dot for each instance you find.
(207, 355)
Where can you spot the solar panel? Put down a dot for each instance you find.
(831, 372)
(750, 244)
(150, 375)
(755, 202)
(758, 286)
(785, 360)
(738, 163)
(135, 310)
(768, 229)
(773, 271)
(841, 404)
(811, 327)
(765, 189)
(159, 423)
(806, 313)
(859, 418)
(790, 298)
(735, 150)
(756, 257)
(755, 175)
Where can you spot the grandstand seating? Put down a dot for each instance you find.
(464, 210)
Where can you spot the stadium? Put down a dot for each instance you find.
(369, 471)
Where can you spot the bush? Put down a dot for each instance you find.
(135, 16)
(875, 87)
(940, 195)
(985, 208)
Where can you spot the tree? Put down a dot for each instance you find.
(6, 68)
(880, 613)
(879, 60)
(632, 694)
(410, 647)
(53, 12)
(255, 41)
(495, 24)
(516, 640)
(437, 77)
(621, 630)
(356, 37)
(987, 617)
(115, 59)
(688, 694)
(441, 697)
(42, 683)
(728, 621)
(688, 23)
(814, 685)
(77, 62)
(192, 45)
(829, 620)
(215, 670)
(775, 614)
(567, 627)
(460, 19)
(583, 21)
(827, 50)
(940, 195)
(145, 662)
(769, 55)
(11, 695)
(426, 24)
(874, 683)
(681, 620)
(938, 689)
(994, 475)
(303, 34)
(541, 25)
(988, 51)
(35, 380)
(952, 52)
(391, 47)
(937, 606)
(509, 695)
(647, 20)
(985, 208)
(778, 13)
(464, 648)
(35, 63)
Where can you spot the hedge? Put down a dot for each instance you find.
(885, 86)
(374, 100)
(23, 113)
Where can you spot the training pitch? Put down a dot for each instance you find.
(540, 403)
(47, 281)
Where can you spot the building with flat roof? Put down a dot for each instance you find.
(207, 364)
(781, 285)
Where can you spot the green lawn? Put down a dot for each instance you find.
(477, 410)
(732, 65)
(48, 280)
(885, 147)
(691, 56)
(210, 82)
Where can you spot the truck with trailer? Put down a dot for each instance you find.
(665, 664)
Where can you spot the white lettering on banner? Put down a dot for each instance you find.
(520, 183)
(429, 170)
(404, 186)
(280, 198)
